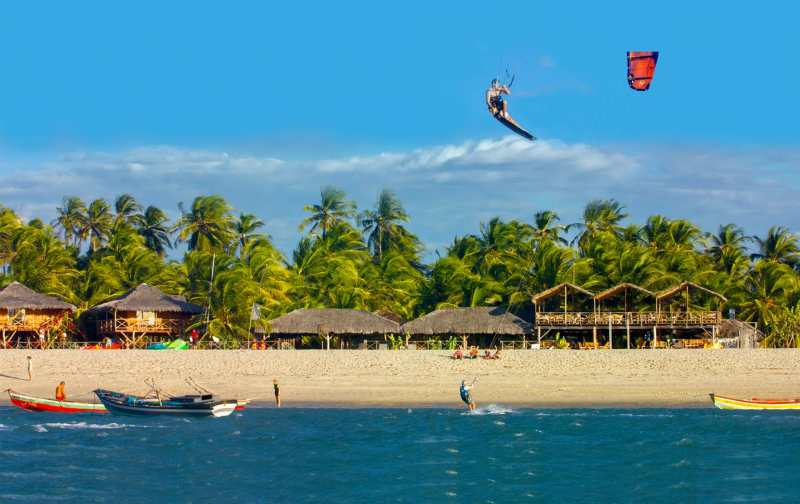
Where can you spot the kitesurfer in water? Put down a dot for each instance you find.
(465, 395)
(494, 100)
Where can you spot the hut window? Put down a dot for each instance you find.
(147, 317)
(16, 313)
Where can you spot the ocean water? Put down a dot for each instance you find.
(494, 455)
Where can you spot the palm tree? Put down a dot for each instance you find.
(381, 226)
(598, 217)
(728, 238)
(333, 210)
(97, 224)
(246, 226)
(69, 219)
(761, 296)
(153, 226)
(545, 230)
(780, 246)
(209, 224)
(127, 210)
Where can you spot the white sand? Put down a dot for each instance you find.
(420, 378)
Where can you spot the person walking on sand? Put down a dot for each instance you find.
(60, 395)
(277, 392)
(466, 396)
(30, 369)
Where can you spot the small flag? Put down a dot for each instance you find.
(256, 313)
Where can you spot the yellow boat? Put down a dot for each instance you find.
(727, 403)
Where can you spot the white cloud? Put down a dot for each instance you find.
(447, 189)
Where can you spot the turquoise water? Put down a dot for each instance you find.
(403, 455)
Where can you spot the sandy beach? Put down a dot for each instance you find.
(637, 378)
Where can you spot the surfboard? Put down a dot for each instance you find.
(513, 127)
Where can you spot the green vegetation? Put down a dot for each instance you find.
(91, 253)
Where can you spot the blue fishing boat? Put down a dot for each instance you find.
(192, 405)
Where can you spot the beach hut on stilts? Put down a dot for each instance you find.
(142, 311)
(26, 312)
(634, 301)
(482, 326)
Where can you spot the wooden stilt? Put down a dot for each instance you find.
(655, 337)
(594, 336)
(628, 330)
(610, 342)
(539, 336)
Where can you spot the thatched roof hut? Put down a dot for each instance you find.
(686, 287)
(146, 298)
(623, 287)
(391, 316)
(16, 296)
(305, 321)
(478, 320)
(560, 289)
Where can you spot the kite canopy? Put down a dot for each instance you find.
(641, 66)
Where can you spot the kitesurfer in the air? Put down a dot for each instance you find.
(465, 395)
(494, 100)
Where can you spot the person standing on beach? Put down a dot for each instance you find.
(60, 395)
(42, 338)
(277, 392)
(466, 396)
(30, 369)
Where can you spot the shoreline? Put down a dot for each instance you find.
(621, 379)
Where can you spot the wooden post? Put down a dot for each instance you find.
(610, 342)
(539, 337)
(594, 336)
(628, 330)
(655, 337)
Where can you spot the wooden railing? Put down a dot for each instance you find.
(159, 325)
(646, 319)
(25, 322)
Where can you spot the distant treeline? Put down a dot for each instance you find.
(91, 253)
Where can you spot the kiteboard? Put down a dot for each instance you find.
(513, 127)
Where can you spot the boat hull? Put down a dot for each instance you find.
(32, 403)
(727, 403)
(116, 404)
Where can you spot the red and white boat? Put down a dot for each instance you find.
(32, 403)
(727, 403)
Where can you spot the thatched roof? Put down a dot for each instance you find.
(674, 291)
(16, 296)
(559, 289)
(147, 298)
(622, 287)
(333, 320)
(391, 316)
(479, 320)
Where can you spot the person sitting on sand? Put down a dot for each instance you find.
(466, 396)
(487, 355)
(60, 395)
(458, 355)
(473, 353)
(497, 354)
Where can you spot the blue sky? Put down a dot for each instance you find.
(266, 102)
